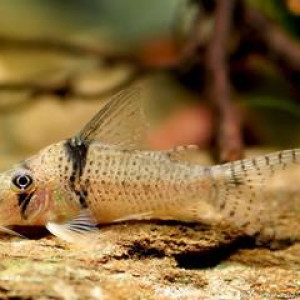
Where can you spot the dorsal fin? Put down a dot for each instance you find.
(120, 122)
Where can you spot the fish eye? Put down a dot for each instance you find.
(22, 181)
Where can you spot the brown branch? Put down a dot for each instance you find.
(278, 43)
(76, 49)
(265, 37)
(62, 89)
(67, 47)
(229, 136)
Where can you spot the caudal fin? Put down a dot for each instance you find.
(244, 190)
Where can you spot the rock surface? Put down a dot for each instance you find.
(148, 260)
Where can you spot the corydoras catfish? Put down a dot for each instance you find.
(105, 174)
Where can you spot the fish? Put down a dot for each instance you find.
(106, 173)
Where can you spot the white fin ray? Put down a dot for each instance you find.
(79, 230)
(120, 122)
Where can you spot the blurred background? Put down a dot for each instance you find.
(224, 90)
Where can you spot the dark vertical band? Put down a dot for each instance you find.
(76, 151)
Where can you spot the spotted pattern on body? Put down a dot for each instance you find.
(122, 182)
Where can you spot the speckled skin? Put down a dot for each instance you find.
(122, 183)
(119, 183)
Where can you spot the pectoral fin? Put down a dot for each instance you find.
(78, 230)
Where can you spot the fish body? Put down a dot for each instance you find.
(115, 183)
(104, 174)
